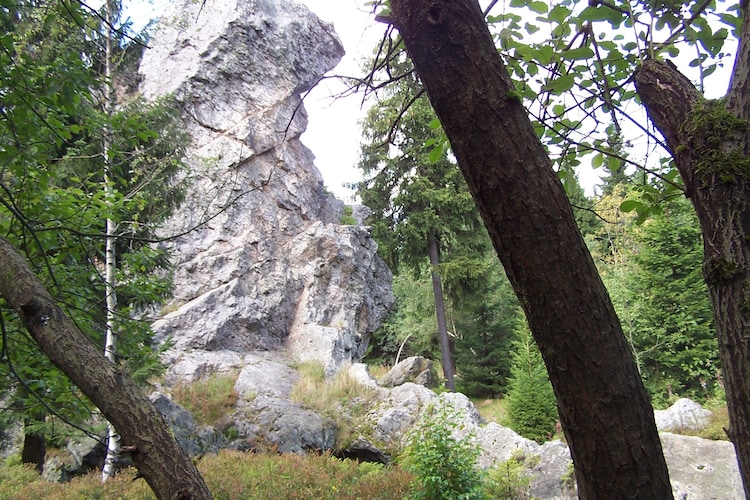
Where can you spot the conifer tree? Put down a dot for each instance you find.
(531, 402)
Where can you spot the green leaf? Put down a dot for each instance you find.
(613, 163)
(578, 54)
(597, 161)
(559, 14)
(561, 84)
(436, 153)
(539, 7)
(630, 205)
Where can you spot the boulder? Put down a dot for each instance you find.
(684, 414)
(194, 438)
(701, 468)
(262, 262)
(415, 369)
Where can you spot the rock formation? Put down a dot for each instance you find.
(266, 264)
(268, 277)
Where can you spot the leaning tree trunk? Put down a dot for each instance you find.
(437, 288)
(604, 408)
(144, 432)
(710, 143)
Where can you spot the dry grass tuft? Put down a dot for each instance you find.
(209, 400)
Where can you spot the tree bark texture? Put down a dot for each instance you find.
(710, 143)
(155, 451)
(437, 289)
(604, 408)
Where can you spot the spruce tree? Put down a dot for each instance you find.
(530, 400)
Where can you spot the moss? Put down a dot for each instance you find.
(515, 95)
(714, 136)
(719, 271)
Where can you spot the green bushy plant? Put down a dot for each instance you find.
(510, 480)
(443, 465)
(531, 403)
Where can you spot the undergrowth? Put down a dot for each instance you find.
(230, 475)
(208, 400)
(340, 397)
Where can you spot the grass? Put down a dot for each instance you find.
(718, 421)
(327, 396)
(341, 398)
(230, 475)
(378, 371)
(493, 410)
(209, 400)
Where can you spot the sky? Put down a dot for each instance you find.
(333, 130)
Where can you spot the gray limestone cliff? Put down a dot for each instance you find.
(266, 264)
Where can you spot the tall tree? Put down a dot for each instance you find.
(532, 227)
(672, 323)
(422, 208)
(709, 141)
(151, 443)
(111, 11)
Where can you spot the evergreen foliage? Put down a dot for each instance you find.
(531, 403)
(487, 318)
(416, 196)
(672, 321)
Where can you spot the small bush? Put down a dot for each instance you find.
(347, 219)
(444, 466)
(208, 400)
(510, 480)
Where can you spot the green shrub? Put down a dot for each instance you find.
(346, 218)
(531, 403)
(444, 466)
(510, 480)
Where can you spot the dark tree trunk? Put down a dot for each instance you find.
(604, 408)
(155, 452)
(34, 446)
(710, 142)
(437, 288)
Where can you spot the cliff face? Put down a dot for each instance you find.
(267, 265)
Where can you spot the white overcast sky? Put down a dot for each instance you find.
(333, 132)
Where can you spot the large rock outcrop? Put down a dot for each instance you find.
(266, 264)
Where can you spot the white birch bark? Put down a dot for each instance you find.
(110, 255)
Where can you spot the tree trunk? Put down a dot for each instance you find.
(110, 255)
(710, 143)
(155, 452)
(604, 408)
(437, 287)
(34, 446)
